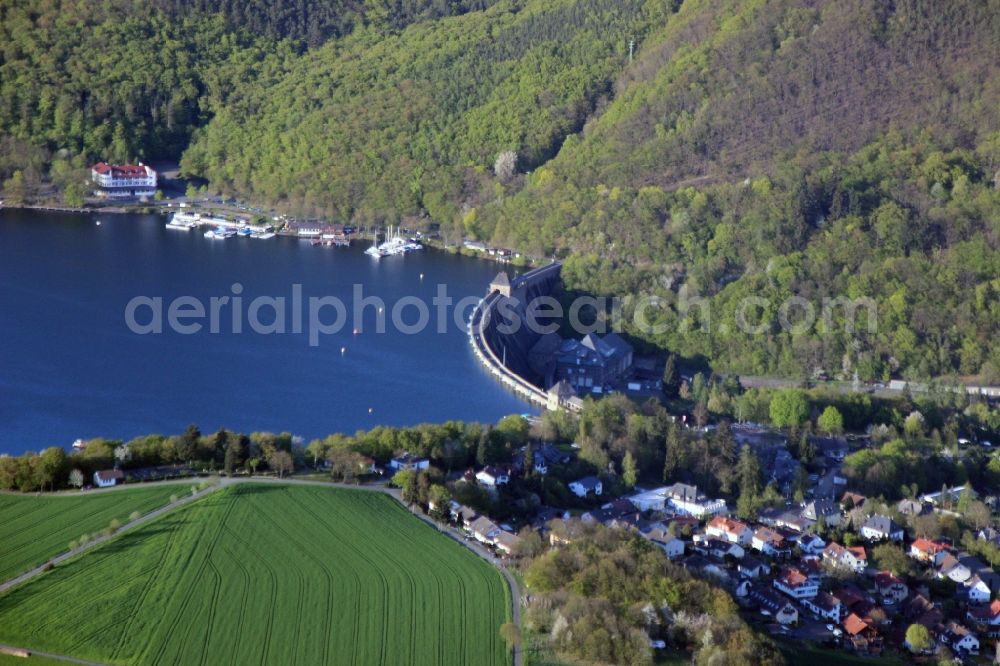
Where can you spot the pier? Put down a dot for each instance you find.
(484, 337)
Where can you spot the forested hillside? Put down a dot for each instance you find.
(376, 128)
(766, 148)
(315, 22)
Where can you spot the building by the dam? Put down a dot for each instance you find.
(542, 365)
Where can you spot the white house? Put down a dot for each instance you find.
(796, 584)
(408, 461)
(586, 486)
(116, 181)
(811, 544)
(960, 639)
(731, 530)
(718, 548)
(854, 558)
(672, 546)
(824, 605)
(954, 569)
(892, 589)
(108, 477)
(507, 541)
(484, 529)
(825, 509)
(979, 589)
(679, 498)
(492, 477)
(881, 528)
(770, 542)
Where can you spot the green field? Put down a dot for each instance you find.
(33, 529)
(264, 574)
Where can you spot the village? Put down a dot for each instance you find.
(839, 570)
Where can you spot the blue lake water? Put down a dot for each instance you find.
(70, 366)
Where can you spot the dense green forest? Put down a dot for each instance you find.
(765, 148)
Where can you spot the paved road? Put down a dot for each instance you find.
(448, 531)
(49, 655)
(28, 575)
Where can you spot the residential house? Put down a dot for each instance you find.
(718, 548)
(927, 551)
(854, 558)
(986, 618)
(822, 508)
(861, 635)
(919, 610)
(547, 456)
(796, 584)
(960, 639)
(729, 529)
(751, 567)
(954, 569)
(681, 499)
(909, 507)
(825, 606)
(892, 589)
(408, 461)
(881, 528)
(770, 542)
(810, 544)
(767, 599)
(507, 542)
(491, 476)
(108, 477)
(462, 514)
(851, 500)
(989, 534)
(672, 546)
(586, 486)
(981, 586)
(484, 529)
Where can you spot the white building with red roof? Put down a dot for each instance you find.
(733, 531)
(119, 181)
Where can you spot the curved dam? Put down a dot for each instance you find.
(501, 338)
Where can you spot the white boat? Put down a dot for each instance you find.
(262, 235)
(395, 245)
(182, 224)
(220, 232)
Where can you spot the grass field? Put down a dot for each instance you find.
(262, 574)
(33, 529)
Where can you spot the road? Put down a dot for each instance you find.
(223, 482)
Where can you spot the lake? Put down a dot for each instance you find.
(72, 366)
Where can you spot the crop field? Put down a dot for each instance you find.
(33, 529)
(267, 574)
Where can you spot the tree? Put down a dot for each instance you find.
(506, 165)
(830, 421)
(789, 408)
(913, 426)
(978, 514)
(748, 472)
(253, 463)
(891, 557)
(671, 378)
(76, 478)
(15, 189)
(74, 195)
(406, 481)
(511, 633)
(528, 460)
(918, 638)
(630, 472)
(514, 429)
(50, 465)
(965, 498)
(281, 462)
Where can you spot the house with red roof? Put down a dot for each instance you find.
(122, 181)
(927, 551)
(729, 529)
(796, 584)
(986, 618)
(861, 635)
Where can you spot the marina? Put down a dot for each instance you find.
(395, 245)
